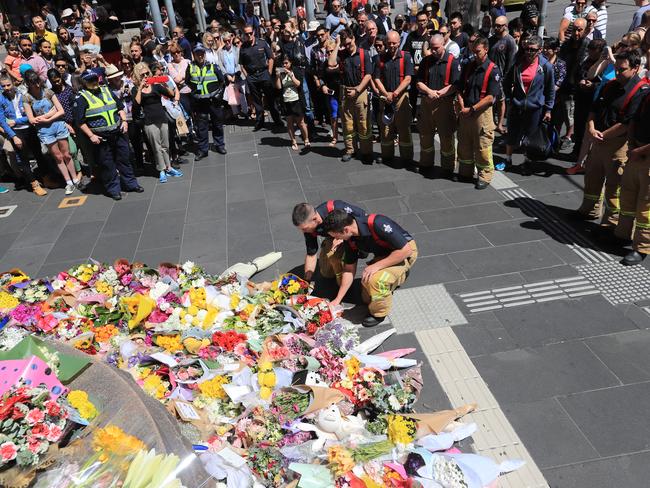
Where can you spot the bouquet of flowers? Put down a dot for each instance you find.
(30, 423)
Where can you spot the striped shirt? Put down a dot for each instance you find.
(601, 23)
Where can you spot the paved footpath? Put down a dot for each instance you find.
(509, 305)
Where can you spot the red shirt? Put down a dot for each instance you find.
(528, 74)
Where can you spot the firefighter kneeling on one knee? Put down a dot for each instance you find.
(394, 252)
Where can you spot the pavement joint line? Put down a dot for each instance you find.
(461, 381)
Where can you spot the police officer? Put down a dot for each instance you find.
(438, 73)
(309, 220)
(392, 76)
(207, 84)
(395, 252)
(607, 127)
(479, 85)
(635, 187)
(256, 60)
(103, 120)
(356, 68)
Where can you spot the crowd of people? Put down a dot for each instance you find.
(79, 108)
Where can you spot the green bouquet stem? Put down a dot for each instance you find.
(368, 452)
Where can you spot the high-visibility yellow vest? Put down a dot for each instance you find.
(101, 113)
(201, 78)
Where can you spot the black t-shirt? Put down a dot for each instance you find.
(462, 39)
(470, 82)
(388, 69)
(151, 105)
(387, 236)
(311, 239)
(641, 118)
(433, 72)
(614, 104)
(351, 65)
(254, 58)
(414, 44)
(107, 27)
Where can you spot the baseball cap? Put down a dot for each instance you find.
(313, 26)
(23, 68)
(66, 13)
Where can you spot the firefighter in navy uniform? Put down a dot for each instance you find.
(394, 252)
(479, 85)
(103, 120)
(607, 127)
(355, 66)
(438, 73)
(207, 84)
(634, 221)
(392, 76)
(309, 220)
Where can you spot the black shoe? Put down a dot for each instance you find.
(463, 179)
(578, 215)
(448, 174)
(481, 184)
(258, 126)
(137, 189)
(346, 157)
(117, 197)
(379, 160)
(633, 258)
(200, 156)
(221, 150)
(175, 165)
(366, 159)
(526, 170)
(372, 321)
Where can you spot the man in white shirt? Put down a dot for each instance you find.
(450, 46)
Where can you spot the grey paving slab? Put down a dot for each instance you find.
(169, 197)
(97, 207)
(422, 308)
(469, 196)
(639, 314)
(6, 241)
(565, 253)
(126, 217)
(510, 232)
(631, 471)
(245, 248)
(285, 235)
(280, 168)
(433, 269)
(44, 228)
(22, 215)
(484, 334)
(596, 412)
(417, 202)
(111, 247)
(51, 270)
(463, 216)
(245, 187)
(625, 353)
(564, 200)
(450, 240)
(552, 273)
(411, 222)
(549, 433)
(556, 321)
(206, 205)
(76, 242)
(504, 259)
(247, 218)
(374, 190)
(281, 196)
(162, 229)
(242, 163)
(480, 284)
(543, 186)
(209, 178)
(153, 257)
(526, 375)
(28, 259)
(215, 268)
(204, 242)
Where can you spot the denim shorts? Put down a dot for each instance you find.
(53, 132)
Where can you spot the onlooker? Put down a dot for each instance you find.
(450, 46)
(330, 87)
(179, 35)
(177, 70)
(600, 7)
(228, 62)
(337, 20)
(644, 25)
(41, 32)
(579, 11)
(642, 7)
(592, 32)
(71, 23)
(288, 81)
(457, 34)
(45, 112)
(45, 50)
(28, 56)
(530, 16)
(384, 24)
(503, 49)
(107, 30)
(67, 46)
(135, 49)
(49, 17)
(13, 60)
(89, 35)
(211, 47)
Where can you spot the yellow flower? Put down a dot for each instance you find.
(266, 379)
(352, 365)
(340, 460)
(79, 399)
(7, 300)
(214, 388)
(401, 430)
(197, 297)
(104, 288)
(170, 343)
(83, 344)
(234, 301)
(294, 287)
(154, 386)
(111, 440)
(192, 309)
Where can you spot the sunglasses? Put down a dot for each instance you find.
(61, 65)
(500, 25)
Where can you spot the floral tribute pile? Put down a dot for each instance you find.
(269, 384)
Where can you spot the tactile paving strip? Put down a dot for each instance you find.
(501, 181)
(424, 307)
(618, 283)
(7, 211)
(495, 437)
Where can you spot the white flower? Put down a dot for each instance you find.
(394, 403)
(198, 283)
(57, 284)
(164, 306)
(188, 266)
(158, 290)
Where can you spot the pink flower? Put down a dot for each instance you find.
(33, 445)
(157, 317)
(35, 416)
(126, 279)
(47, 323)
(40, 431)
(8, 451)
(55, 433)
(53, 408)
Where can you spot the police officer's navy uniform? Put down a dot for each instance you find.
(254, 58)
(380, 236)
(438, 115)
(207, 84)
(100, 111)
(329, 261)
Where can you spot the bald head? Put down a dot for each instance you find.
(501, 19)
(579, 28)
(437, 45)
(392, 42)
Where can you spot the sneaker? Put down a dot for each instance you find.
(3, 189)
(500, 166)
(174, 172)
(575, 169)
(69, 188)
(163, 177)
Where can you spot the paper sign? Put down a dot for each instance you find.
(236, 393)
(231, 457)
(186, 411)
(161, 357)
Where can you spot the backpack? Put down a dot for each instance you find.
(541, 143)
